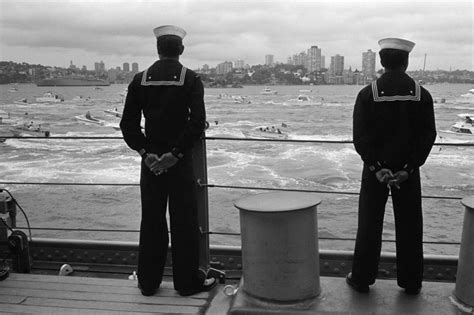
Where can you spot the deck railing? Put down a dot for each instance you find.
(200, 161)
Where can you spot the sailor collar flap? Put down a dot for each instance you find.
(382, 93)
(166, 78)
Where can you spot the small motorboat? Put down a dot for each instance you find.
(89, 119)
(469, 94)
(113, 112)
(268, 91)
(462, 130)
(31, 127)
(303, 98)
(240, 100)
(50, 97)
(265, 132)
(21, 101)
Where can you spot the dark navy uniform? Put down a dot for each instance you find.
(394, 128)
(171, 98)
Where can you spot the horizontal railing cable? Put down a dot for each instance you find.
(455, 144)
(64, 137)
(337, 192)
(314, 191)
(80, 230)
(67, 184)
(325, 238)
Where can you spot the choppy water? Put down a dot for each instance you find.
(449, 171)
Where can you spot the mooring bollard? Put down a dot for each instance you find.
(464, 290)
(280, 254)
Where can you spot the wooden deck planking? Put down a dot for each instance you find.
(112, 306)
(28, 309)
(30, 293)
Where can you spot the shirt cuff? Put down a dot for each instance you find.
(408, 168)
(375, 167)
(177, 153)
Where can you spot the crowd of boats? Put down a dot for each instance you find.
(462, 129)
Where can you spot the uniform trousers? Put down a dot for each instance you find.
(177, 189)
(408, 230)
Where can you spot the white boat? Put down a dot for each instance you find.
(265, 132)
(306, 91)
(33, 128)
(240, 100)
(90, 119)
(268, 91)
(13, 89)
(50, 97)
(303, 98)
(113, 112)
(21, 101)
(463, 130)
(469, 94)
(79, 98)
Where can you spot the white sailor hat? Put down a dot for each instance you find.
(396, 43)
(169, 30)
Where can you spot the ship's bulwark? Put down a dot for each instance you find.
(72, 82)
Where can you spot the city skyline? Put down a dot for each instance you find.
(87, 31)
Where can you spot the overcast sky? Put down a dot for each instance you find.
(56, 32)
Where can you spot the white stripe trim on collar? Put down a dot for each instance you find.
(176, 83)
(378, 98)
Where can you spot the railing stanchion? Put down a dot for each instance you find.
(200, 171)
(465, 275)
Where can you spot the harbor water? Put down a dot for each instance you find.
(327, 114)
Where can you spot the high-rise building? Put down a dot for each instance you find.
(323, 61)
(224, 67)
(239, 64)
(72, 66)
(135, 67)
(99, 66)
(368, 64)
(337, 65)
(300, 59)
(126, 67)
(269, 60)
(314, 59)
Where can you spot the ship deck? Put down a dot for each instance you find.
(40, 293)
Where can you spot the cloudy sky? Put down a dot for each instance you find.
(56, 32)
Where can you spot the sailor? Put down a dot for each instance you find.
(171, 98)
(393, 132)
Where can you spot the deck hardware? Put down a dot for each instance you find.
(231, 290)
(65, 270)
